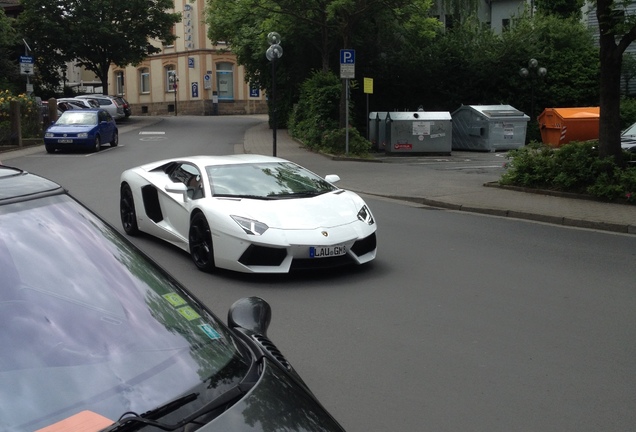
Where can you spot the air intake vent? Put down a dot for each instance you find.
(269, 346)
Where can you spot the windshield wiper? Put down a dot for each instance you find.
(259, 197)
(135, 422)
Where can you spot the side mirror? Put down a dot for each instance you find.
(178, 188)
(332, 178)
(250, 313)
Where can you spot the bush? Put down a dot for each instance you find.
(335, 142)
(575, 168)
(30, 116)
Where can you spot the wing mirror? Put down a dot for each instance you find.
(250, 313)
(178, 188)
(332, 178)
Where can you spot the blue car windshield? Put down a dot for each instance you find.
(90, 325)
(77, 118)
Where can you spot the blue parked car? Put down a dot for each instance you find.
(82, 129)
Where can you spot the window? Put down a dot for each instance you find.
(119, 82)
(171, 78)
(505, 24)
(144, 80)
(225, 80)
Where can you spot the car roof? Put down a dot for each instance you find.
(19, 185)
(205, 160)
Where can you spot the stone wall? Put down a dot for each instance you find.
(201, 107)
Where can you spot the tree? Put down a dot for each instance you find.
(96, 33)
(9, 67)
(617, 30)
(316, 30)
(560, 8)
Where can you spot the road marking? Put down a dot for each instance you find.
(151, 133)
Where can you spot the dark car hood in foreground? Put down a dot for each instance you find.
(276, 403)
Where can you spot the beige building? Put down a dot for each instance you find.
(208, 79)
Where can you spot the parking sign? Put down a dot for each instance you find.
(347, 63)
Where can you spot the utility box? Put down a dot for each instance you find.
(489, 128)
(418, 132)
(559, 126)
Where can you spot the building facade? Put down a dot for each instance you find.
(192, 76)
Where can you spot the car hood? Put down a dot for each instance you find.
(70, 129)
(322, 211)
(276, 403)
(628, 142)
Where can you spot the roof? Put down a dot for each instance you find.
(19, 185)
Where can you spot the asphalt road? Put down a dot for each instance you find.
(463, 323)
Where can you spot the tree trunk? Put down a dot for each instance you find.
(610, 93)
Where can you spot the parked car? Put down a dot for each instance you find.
(80, 102)
(248, 213)
(628, 139)
(109, 103)
(96, 336)
(82, 129)
(124, 103)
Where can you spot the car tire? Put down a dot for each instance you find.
(115, 139)
(200, 243)
(49, 149)
(97, 145)
(127, 210)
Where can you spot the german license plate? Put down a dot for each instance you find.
(327, 251)
(65, 141)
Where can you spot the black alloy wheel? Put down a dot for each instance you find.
(97, 145)
(200, 241)
(127, 211)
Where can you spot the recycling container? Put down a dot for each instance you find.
(489, 128)
(559, 126)
(418, 132)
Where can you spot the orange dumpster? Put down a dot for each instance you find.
(561, 125)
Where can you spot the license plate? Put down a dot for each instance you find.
(327, 251)
(65, 141)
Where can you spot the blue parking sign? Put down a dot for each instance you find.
(347, 56)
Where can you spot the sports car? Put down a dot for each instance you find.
(248, 213)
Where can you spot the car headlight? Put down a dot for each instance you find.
(49, 135)
(82, 135)
(365, 215)
(250, 226)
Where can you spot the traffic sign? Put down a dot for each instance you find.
(347, 64)
(347, 56)
(26, 65)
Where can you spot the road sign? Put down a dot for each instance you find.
(347, 63)
(191, 62)
(207, 81)
(195, 89)
(26, 65)
(347, 56)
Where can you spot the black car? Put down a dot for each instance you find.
(96, 336)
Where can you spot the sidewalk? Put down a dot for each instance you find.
(445, 189)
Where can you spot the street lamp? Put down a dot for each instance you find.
(274, 52)
(174, 83)
(533, 71)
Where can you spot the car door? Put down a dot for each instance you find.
(176, 210)
(106, 126)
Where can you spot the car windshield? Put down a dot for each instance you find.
(77, 118)
(630, 131)
(265, 180)
(89, 324)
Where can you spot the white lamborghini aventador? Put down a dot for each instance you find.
(248, 213)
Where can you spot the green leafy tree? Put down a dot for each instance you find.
(617, 30)
(560, 8)
(8, 56)
(95, 33)
(313, 32)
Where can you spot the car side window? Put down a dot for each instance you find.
(191, 177)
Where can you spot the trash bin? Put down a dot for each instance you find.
(489, 128)
(418, 132)
(559, 126)
(373, 130)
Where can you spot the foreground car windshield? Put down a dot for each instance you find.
(265, 180)
(77, 118)
(89, 324)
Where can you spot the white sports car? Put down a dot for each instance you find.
(248, 213)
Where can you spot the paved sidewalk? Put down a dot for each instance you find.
(445, 188)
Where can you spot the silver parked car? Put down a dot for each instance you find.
(109, 103)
